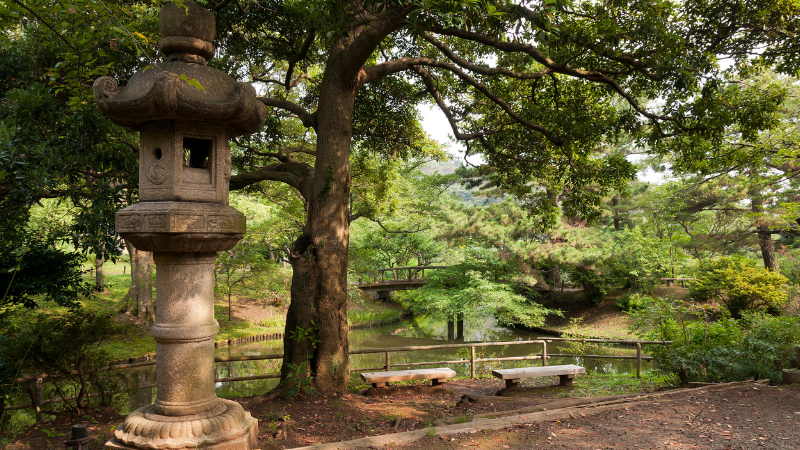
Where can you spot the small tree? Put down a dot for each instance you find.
(481, 286)
(238, 265)
(738, 284)
(641, 260)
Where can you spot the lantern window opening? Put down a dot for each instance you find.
(196, 152)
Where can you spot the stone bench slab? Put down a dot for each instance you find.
(565, 373)
(379, 379)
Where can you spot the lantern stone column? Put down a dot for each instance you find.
(186, 113)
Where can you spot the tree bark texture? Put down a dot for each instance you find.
(141, 290)
(99, 279)
(763, 233)
(319, 255)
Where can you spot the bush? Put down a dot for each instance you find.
(634, 301)
(34, 268)
(66, 349)
(594, 283)
(638, 260)
(739, 285)
(716, 351)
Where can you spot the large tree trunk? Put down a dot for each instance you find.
(141, 290)
(763, 232)
(319, 256)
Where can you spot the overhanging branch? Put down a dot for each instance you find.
(298, 175)
(309, 119)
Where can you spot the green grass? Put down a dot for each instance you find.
(270, 288)
(602, 384)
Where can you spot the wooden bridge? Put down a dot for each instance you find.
(383, 289)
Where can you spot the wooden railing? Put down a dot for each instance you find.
(412, 271)
(388, 365)
(671, 281)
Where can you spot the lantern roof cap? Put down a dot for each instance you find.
(183, 87)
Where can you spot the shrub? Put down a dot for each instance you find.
(724, 350)
(739, 285)
(34, 268)
(634, 301)
(594, 283)
(66, 349)
(638, 260)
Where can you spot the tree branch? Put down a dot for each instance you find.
(367, 39)
(493, 97)
(541, 58)
(44, 22)
(434, 92)
(481, 69)
(309, 119)
(312, 34)
(298, 175)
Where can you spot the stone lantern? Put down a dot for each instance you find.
(186, 113)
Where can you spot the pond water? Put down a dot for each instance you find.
(417, 331)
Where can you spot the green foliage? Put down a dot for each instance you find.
(594, 282)
(639, 259)
(238, 265)
(739, 285)
(300, 378)
(632, 301)
(373, 248)
(33, 270)
(480, 286)
(362, 310)
(703, 349)
(600, 384)
(66, 348)
(634, 259)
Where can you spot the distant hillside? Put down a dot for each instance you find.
(472, 197)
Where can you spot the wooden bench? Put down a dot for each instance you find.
(379, 379)
(566, 373)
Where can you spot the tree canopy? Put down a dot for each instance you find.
(540, 89)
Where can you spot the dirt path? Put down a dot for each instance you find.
(740, 417)
(737, 417)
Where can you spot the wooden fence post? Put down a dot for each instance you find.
(35, 393)
(388, 362)
(638, 360)
(544, 353)
(472, 361)
(797, 356)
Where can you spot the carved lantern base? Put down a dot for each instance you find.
(225, 427)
